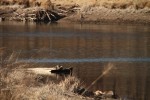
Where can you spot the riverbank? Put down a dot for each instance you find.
(19, 81)
(121, 12)
(110, 12)
(100, 15)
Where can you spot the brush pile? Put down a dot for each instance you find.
(36, 14)
(30, 10)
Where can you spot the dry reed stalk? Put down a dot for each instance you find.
(109, 67)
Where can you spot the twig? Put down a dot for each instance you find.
(48, 16)
(53, 15)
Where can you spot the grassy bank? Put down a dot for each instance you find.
(18, 84)
(122, 4)
(27, 3)
(109, 11)
(85, 11)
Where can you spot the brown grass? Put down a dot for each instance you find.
(28, 3)
(17, 84)
(23, 86)
(124, 5)
(141, 5)
(112, 4)
(118, 5)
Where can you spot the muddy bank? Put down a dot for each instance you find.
(100, 15)
(109, 11)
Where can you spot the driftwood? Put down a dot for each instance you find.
(36, 14)
(32, 14)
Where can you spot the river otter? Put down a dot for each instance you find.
(61, 70)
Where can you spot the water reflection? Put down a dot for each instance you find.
(85, 60)
(88, 49)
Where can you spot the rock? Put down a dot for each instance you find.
(108, 94)
(98, 93)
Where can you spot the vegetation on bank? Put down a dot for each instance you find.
(28, 3)
(88, 11)
(112, 4)
(29, 10)
(123, 4)
(18, 84)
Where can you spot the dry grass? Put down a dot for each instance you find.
(69, 84)
(17, 84)
(28, 3)
(112, 4)
(123, 4)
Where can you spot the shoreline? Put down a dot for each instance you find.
(101, 21)
(77, 14)
(101, 15)
(24, 81)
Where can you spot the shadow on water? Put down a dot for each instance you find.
(87, 48)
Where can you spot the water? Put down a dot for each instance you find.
(88, 49)
(85, 60)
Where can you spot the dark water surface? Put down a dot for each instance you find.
(89, 49)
